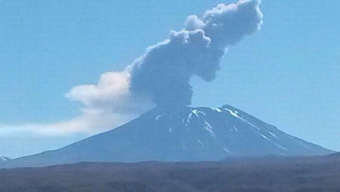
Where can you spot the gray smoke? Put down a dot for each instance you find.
(163, 73)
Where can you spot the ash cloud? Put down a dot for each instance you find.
(162, 75)
(164, 72)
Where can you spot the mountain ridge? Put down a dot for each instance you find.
(279, 174)
(180, 134)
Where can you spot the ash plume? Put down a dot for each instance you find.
(162, 75)
(164, 72)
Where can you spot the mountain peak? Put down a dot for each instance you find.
(180, 134)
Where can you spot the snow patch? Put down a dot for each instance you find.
(3, 159)
(158, 117)
(226, 150)
(216, 109)
(276, 144)
(189, 117)
(252, 125)
(235, 114)
(272, 134)
(200, 142)
(195, 112)
(209, 128)
(265, 137)
(282, 147)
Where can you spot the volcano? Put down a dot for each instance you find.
(179, 134)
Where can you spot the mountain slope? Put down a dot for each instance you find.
(181, 134)
(4, 159)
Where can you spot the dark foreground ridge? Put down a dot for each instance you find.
(179, 134)
(267, 174)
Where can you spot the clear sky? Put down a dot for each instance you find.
(287, 74)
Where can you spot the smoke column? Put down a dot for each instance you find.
(162, 75)
(164, 72)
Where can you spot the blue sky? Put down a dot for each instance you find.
(287, 74)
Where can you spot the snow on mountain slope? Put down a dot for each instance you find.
(4, 159)
(181, 134)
